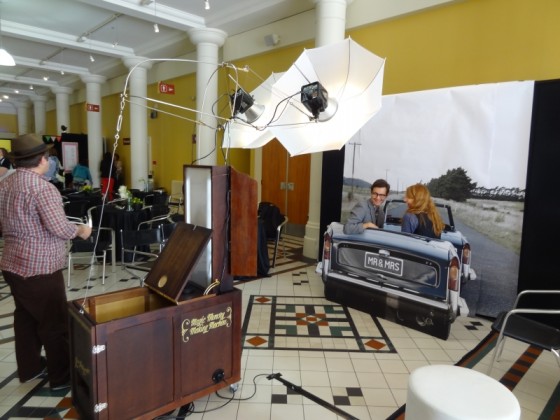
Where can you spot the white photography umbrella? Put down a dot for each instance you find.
(334, 90)
(244, 133)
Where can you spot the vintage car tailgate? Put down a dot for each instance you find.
(412, 263)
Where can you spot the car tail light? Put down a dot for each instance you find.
(466, 256)
(453, 275)
(327, 240)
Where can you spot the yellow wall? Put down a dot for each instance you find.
(8, 123)
(470, 42)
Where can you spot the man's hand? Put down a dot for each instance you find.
(370, 225)
(84, 231)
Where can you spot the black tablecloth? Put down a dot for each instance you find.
(118, 219)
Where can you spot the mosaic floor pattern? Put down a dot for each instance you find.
(310, 323)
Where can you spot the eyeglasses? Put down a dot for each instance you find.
(375, 195)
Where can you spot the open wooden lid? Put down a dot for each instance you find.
(174, 266)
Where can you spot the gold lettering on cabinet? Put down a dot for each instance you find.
(205, 323)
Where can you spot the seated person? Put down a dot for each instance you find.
(81, 175)
(368, 213)
(422, 216)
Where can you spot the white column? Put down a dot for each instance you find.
(207, 42)
(95, 138)
(62, 106)
(330, 18)
(22, 117)
(39, 110)
(138, 90)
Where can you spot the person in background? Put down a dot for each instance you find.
(5, 164)
(118, 172)
(36, 232)
(108, 172)
(54, 168)
(81, 174)
(368, 213)
(422, 216)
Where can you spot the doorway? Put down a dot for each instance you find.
(285, 182)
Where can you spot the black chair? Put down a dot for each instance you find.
(523, 324)
(159, 214)
(140, 249)
(76, 210)
(166, 231)
(96, 247)
(274, 224)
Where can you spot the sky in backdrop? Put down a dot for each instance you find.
(418, 136)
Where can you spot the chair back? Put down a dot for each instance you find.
(166, 231)
(88, 245)
(76, 209)
(141, 237)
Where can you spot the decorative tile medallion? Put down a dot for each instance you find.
(310, 323)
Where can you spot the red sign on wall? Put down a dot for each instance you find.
(166, 88)
(92, 107)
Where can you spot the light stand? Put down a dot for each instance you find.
(314, 398)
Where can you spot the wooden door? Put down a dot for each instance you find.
(285, 182)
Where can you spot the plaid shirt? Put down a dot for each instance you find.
(33, 224)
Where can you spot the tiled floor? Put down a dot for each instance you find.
(367, 381)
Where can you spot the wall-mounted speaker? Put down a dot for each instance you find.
(271, 40)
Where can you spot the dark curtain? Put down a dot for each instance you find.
(539, 243)
(331, 191)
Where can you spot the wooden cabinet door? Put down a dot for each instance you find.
(285, 181)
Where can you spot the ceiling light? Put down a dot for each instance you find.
(62, 72)
(5, 97)
(31, 87)
(45, 78)
(91, 58)
(206, 5)
(16, 91)
(6, 58)
(156, 28)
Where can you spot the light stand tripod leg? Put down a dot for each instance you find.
(312, 397)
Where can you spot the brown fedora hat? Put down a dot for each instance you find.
(28, 145)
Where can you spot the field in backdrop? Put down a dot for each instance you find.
(500, 221)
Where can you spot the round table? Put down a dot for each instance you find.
(443, 392)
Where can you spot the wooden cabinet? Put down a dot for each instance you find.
(142, 352)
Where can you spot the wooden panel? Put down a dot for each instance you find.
(273, 173)
(153, 362)
(298, 198)
(243, 225)
(275, 165)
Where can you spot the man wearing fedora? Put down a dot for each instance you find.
(35, 231)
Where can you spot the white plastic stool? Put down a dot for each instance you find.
(442, 392)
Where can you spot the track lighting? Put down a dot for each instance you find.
(206, 5)
(156, 28)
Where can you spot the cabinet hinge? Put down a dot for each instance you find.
(99, 407)
(98, 349)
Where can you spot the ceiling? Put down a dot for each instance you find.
(53, 41)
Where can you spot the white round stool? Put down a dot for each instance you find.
(442, 392)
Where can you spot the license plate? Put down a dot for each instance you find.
(383, 263)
